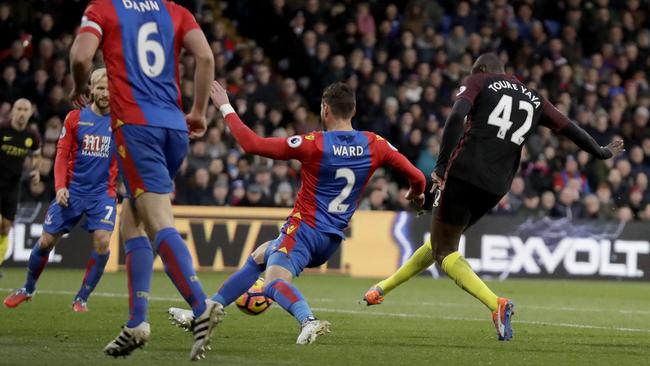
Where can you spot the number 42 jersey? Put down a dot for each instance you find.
(504, 113)
(145, 38)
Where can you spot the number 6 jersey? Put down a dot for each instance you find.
(145, 38)
(504, 113)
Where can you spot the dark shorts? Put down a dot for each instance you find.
(463, 204)
(149, 157)
(9, 202)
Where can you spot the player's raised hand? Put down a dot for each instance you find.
(616, 147)
(197, 124)
(62, 196)
(218, 94)
(80, 98)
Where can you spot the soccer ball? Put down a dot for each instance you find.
(253, 301)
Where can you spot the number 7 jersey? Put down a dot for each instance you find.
(504, 113)
(141, 42)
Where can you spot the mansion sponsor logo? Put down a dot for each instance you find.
(96, 146)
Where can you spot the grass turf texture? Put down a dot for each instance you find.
(423, 322)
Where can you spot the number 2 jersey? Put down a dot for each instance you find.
(336, 166)
(504, 113)
(85, 155)
(145, 39)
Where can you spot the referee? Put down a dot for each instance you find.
(17, 141)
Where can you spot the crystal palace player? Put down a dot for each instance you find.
(336, 166)
(85, 171)
(17, 141)
(475, 170)
(141, 42)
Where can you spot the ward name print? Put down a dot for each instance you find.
(96, 146)
(347, 151)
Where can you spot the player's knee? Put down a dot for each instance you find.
(101, 241)
(47, 241)
(259, 253)
(131, 231)
(276, 272)
(442, 253)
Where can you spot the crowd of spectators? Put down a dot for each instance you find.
(406, 60)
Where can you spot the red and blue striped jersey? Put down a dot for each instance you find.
(336, 167)
(141, 42)
(86, 162)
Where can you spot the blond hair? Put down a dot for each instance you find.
(97, 75)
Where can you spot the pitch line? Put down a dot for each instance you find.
(375, 313)
(533, 307)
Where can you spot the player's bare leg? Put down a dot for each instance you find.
(94, 269)
(445, 238)
(279, 288)
(155, 211)
(35, 266)
(137, 330)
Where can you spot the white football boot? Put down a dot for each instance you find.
(311, 329)
(202, 328)
(128, 340)
(181, 318)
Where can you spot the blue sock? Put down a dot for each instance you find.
(291, 300)
(94, 271)
(178, 265)
(139, 269)
(35, 266)
(238, 283)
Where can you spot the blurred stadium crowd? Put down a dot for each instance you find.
(405, 59)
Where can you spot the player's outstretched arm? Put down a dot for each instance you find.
(454, 128)
(270, 147)
(561, 124)
(399, 162)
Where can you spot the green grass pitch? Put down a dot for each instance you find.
(424, 322)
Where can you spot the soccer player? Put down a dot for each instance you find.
(141, 43)
(17, 141)
(336, 166)
(475, 170)
(85, 171)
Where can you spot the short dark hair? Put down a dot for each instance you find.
(341, 99)
(488, 62)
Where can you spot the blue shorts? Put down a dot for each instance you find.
(100, 215)
(149, 157)
(300, 246)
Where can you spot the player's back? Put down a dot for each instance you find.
(504, 113)
(334, 176)
(141, 42)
